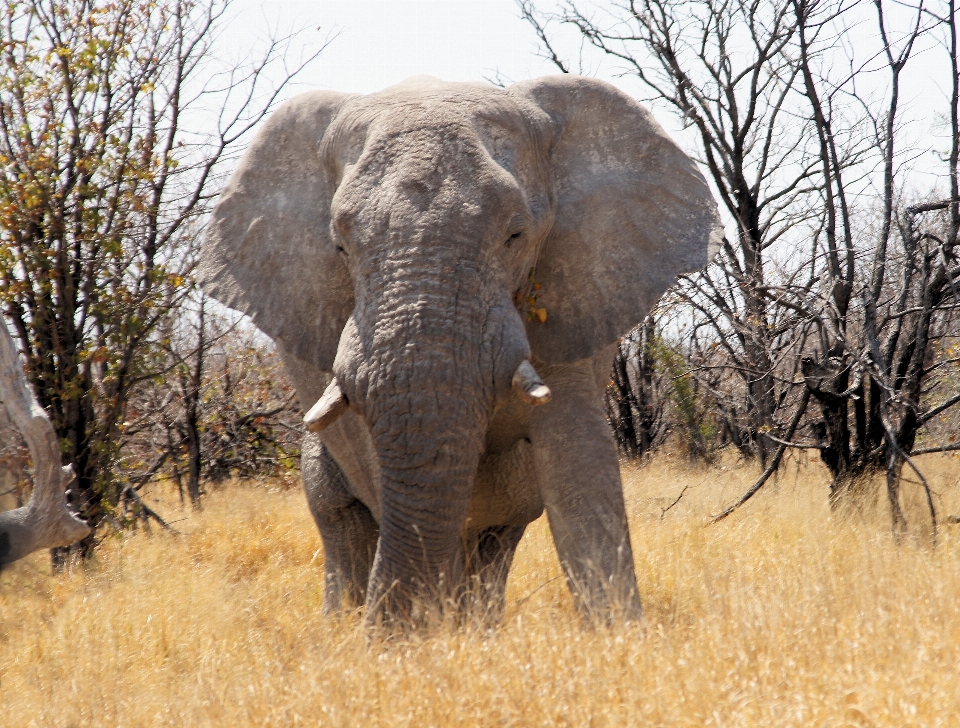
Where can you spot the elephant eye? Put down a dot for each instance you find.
(341, 251)
(517, 226)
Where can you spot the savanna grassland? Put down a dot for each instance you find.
(782, 615)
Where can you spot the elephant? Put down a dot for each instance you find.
(445, 269)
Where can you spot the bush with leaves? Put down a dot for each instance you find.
(222, 409)
(102, 191)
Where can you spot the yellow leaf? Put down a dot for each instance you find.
(542, 315)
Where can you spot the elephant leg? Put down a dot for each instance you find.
(579, 477)
(347, 528)
(490, 556)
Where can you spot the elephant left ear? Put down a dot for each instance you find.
(633, 212)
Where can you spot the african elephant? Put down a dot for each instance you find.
(436, 262)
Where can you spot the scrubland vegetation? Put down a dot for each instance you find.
(785, 614)
(827, 322)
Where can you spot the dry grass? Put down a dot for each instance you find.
(781, 615)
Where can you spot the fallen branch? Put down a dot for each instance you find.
(45, 521)
(148, 511)
(774, 463)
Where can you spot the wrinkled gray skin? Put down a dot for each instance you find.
(386, 240)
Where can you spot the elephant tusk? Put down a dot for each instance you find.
(529, 386)
(328, 408)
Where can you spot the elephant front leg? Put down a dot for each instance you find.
(347, 528)
(579, 478)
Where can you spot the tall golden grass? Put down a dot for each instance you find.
(782, 615)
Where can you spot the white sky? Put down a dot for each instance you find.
(382, 42)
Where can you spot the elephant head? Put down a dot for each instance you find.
(427, 243)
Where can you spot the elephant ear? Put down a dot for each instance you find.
(633, 213)
(268, 251)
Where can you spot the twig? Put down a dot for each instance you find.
(148, 511)
(527, 598)
(798, 445)
(771, 468)
(244, 419)
(663, 511)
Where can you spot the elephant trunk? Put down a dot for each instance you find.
(433, 345)
(426, 372)
(428, 406)
(427, 474)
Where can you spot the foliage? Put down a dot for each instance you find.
(250, 424)
(223, 410)
(102, 189)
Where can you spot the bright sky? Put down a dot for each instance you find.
(382, 42)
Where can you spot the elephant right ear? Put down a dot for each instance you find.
(268, 251)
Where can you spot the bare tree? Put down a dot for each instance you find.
(834, 289)
(740, 106)
(886, 303)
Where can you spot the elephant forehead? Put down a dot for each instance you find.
(438, 167)
(406, 205)
(438, 154)
(446, 118)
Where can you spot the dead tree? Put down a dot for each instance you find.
(831, 292)
(738, 104)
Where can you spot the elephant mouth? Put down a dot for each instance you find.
(526, 383)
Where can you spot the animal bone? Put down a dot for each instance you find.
(328, 408)
(528, 384)
(45, 521)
